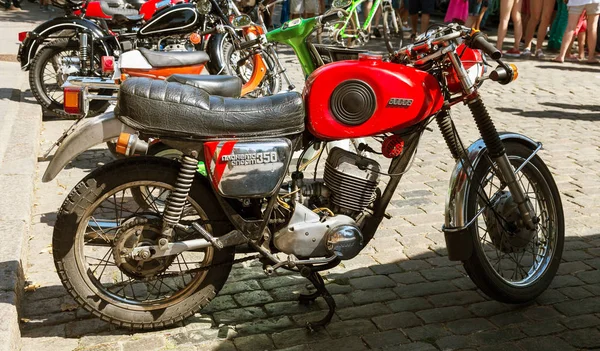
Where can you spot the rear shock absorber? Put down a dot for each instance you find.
(177, 198)
(83, 52)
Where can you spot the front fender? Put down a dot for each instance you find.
(458, 240)
(44, 31)
(94, 131)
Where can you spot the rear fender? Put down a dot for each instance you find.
(46, 30)
(94, 131)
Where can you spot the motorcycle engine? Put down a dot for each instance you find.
(348, 187)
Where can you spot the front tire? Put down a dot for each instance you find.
(89, 238)
(504, 265)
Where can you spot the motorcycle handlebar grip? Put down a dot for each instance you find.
(478, 41)
(249, 43)
(332, 16)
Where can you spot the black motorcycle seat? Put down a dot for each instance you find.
(214, 85)
(170, 109)
(112, 11)
(174, 58)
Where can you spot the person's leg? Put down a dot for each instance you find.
(505, 8)
(518, 26)
(535, 8)
(427, 8)
(592, 31)
(581, 44)
(546, 17)
(296, 8)
(484, 7)
(574, 13)
(414, 6)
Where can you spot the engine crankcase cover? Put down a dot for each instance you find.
(307, 236)
(239, 168)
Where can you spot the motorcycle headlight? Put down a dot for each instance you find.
(203, 6)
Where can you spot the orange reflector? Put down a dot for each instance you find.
(122, 143)
(195, 38)
(515, 72)
(73, 97)
(123, 77)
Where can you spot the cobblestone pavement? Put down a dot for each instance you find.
(401, 292)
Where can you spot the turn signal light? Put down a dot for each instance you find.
(73, 100)
(23, 36)
(123, 143)
(195, 38)
(130, 145)
(108, 64)
(515, 71)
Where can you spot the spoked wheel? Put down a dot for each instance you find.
(511, 263)
(240, 63)
(334, 32)
(50, 69)
(392, 29)
(100, 223)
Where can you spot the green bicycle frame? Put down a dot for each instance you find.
(294, 34)
(353, 12)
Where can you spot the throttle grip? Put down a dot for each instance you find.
(479, 41)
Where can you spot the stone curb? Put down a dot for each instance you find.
(17, 175)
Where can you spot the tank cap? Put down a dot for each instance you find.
(367, 56)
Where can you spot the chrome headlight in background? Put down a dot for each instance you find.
(203, 6)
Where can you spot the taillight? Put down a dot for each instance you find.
(23, 36)
(108, 64)
(73, 100)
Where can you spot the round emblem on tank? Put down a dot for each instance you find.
(352, 102)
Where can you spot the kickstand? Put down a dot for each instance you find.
(316, 279)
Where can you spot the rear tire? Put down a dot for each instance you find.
(46, 65)
(493, 252)
(77, 214)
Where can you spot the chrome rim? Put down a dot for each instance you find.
(522, 266)
(158, 283)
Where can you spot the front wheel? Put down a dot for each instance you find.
(392, 29)
(511, 263)
(344, 31)
(101, 221)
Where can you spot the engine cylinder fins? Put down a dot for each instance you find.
(351, 178)
(353, 102)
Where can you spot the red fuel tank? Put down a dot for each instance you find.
(364, 97)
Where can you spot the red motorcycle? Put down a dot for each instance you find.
(145, 242)
(136, 11)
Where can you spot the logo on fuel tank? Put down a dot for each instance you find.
(400, 103)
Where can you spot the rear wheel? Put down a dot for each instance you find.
(100, 222)
(509, 262)
(50, 69)
(392, 29)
